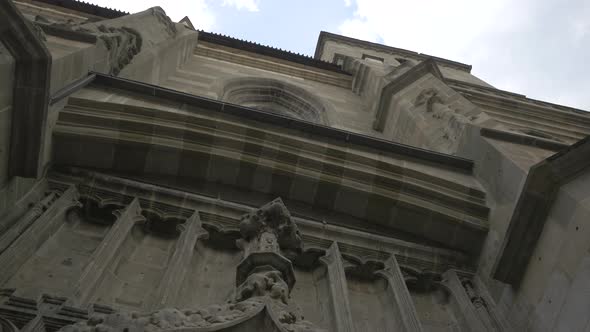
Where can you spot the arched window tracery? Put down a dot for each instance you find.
(275, 96)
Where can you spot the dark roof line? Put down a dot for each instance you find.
(86, 7)
(246, 45)
(324, 35)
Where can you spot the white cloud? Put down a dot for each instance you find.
(198, 11)
(360, 29)
(427, 26)
(249, 5)
(538, 48)
(348, 3)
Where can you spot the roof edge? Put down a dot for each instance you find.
(325, 36)
(245, 45)
(87, 8)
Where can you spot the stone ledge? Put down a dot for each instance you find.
(267, 50)
(522, 139)
(533, 206)
(223, 216)
(325, 36)
(232, 109)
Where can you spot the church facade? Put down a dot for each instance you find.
(160, 178)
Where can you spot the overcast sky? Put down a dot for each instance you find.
(540, 48)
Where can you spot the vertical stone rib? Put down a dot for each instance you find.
(25, 222)
(35, 325)
(338, 289)
(500, 323)
(400, 294)
(171, 282)
(40, 227)
(102, 258)
(469, 316)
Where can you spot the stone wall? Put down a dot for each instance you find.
(553, 295)
(7, 67)
(205, 76)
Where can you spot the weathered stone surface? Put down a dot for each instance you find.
(264, 289)
(402, 173)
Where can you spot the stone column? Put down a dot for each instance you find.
(167, 292)
(36, 228)
(105, 254)
(338, 289)
(398, 290)
(468, 316)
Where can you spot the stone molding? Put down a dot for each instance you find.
(522, 139)
(30, 91)
(169, 288)
(8, 236)
(262, 296)
(39, 227)
(283, 97)
(87, 8)
(280, 66)
(427, 66)
(445, 160)
(564, 124)
(448, 204)
(102, 258)
(332, 260)
(534, 203)
(235, 43)
(356, 246)
(476, 309)
(406, 311)
(326, 36)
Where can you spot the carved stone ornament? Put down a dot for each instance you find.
(428, 97)
(261, 302)
(265, 232)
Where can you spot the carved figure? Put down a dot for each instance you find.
(428, 97)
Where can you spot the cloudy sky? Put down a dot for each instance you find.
(540, 48)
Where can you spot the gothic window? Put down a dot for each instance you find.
(275, 96)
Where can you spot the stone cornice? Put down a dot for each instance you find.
(565, 122)
(274, 64)
(221, 215)
(475, 88)
(522, 139)
(398, 84)
(31, 90)
(268, 51)
(325, 36)
(533, 206)
(276, 119)
(207, 137)
(85, 7)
